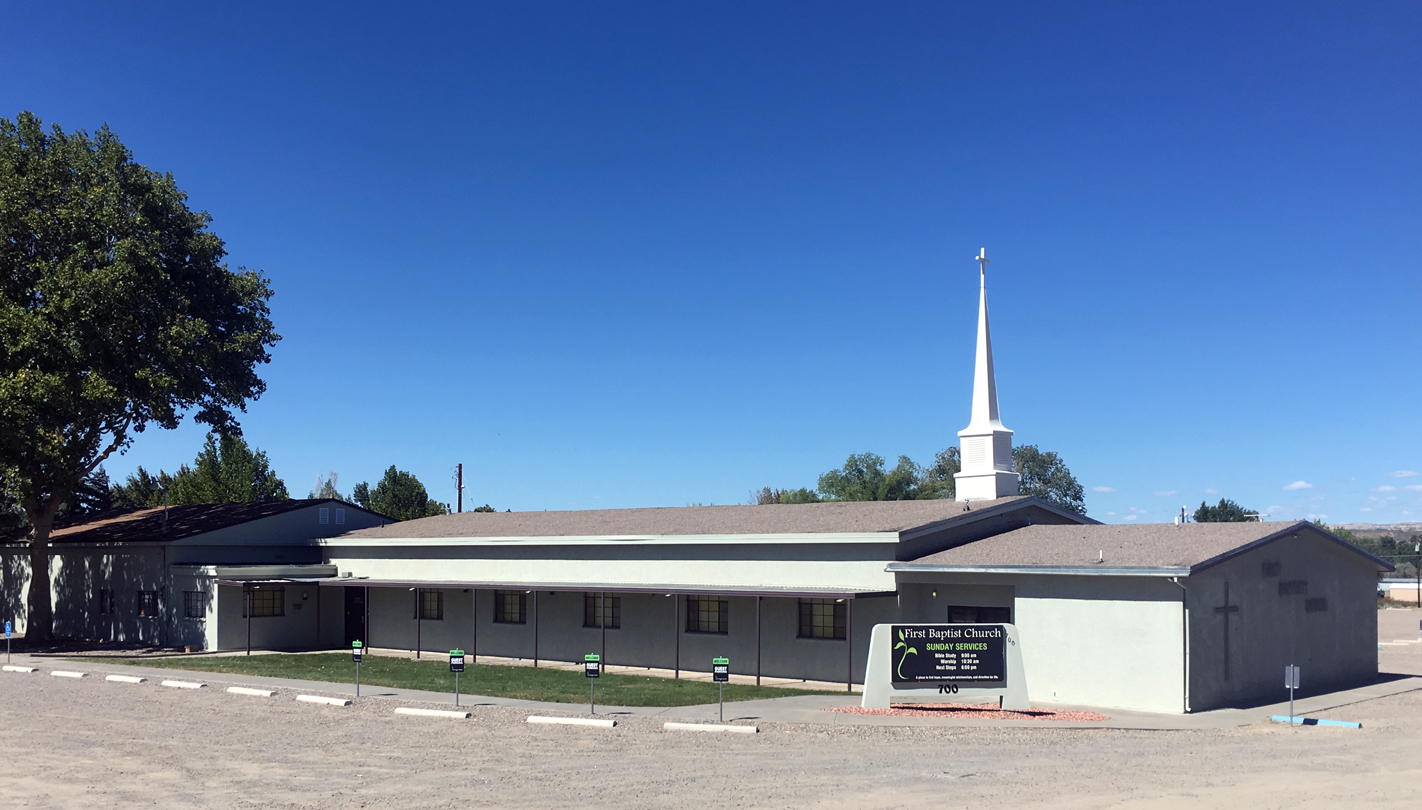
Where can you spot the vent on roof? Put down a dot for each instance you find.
(325, 516)
(340, 517)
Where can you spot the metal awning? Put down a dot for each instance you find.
(611, 587)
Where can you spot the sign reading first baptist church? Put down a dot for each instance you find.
(928, 661)
(937, 653)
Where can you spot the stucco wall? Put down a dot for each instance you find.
(294, 631)
(1335, 647)
(648, 636)
(634, 562)
(1113, 642)
(77, 576)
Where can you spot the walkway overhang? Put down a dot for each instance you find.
(666, 589)
(1058, 570)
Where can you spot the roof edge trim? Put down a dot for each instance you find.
(1068, 570)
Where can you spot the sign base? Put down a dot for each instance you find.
(880, 690)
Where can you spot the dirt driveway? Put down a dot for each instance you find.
(90, 743)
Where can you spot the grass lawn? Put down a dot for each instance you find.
(525, 683)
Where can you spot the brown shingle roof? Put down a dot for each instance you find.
(1149, 545)
(814, 518)
(146, 525)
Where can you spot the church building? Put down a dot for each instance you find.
(1159, 617)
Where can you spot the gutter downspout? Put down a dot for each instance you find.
(1185, 639)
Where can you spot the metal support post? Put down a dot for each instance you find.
(757, 641)
(676, 630)
(419, 620)
(535, 628)
(849, 643)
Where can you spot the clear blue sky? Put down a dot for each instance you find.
(614, 255)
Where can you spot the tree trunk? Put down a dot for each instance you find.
(39, 621)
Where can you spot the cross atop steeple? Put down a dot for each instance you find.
(987, 468)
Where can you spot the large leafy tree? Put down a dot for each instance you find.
(1046, 476)
(863, 478)
(1226, 511)
(227, 470)
(400, 495)
(117, 312)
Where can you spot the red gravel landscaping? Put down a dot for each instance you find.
(970, 711)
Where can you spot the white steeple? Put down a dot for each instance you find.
(987, 470)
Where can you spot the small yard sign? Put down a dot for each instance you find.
(721, 674)
(592, 668)
(456, 665)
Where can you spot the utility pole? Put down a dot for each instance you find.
(459, 481)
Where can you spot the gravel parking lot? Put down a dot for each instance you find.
(90, 743)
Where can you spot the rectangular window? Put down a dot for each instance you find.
(340, 517)
(194, 605)
(148, 603)
(611, 612)
(266, 602)
(977, 614)
(707, 614)
(1293, 587)
(510, 607)
(1316, 604)
(823, 618)
(325, 515)
(106, 601)
(431, 604)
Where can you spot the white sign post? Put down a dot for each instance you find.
(1291, 682)
(961, 660)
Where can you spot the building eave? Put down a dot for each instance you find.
(1058, 570)
(826, 538)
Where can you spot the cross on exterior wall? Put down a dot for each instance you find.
(1225, 610)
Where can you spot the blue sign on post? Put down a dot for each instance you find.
(7, 629)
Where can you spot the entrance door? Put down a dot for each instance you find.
(355, 615)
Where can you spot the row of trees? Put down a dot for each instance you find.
(865, 477)
(228, 470)
(397, 494)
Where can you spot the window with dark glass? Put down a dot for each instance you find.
(106, 601)
(611, 611)
(265, 602)
(976, 614)
(707, 614)
(431, 604)
(823, 618)
(510, 607)
(194, 605)
(148, 603)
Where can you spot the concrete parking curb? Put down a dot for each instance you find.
(184, 684)
(329, 701)
(125, 679)
(62, 673)
(572, 721)
(710, 727)
(9, 668)
(243, 690)
(433, 713)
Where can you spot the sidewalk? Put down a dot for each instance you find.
(797, 709)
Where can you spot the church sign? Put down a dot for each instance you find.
(955, 653)
(928, 661)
